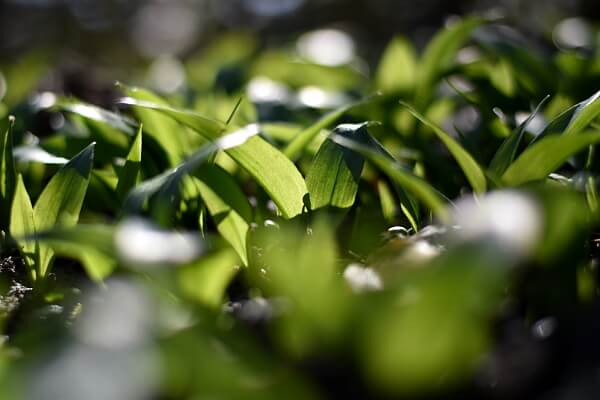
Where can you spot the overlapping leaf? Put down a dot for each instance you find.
(271, 169)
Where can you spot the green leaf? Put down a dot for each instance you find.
(166, 185)
(22, 225)
(545, 156)
(7, 173)
(397, 70)
(271, 169)
(508, 150)
(335, 171)
(439, 56)
(61, 200)
(406, 179)
(297, 145)
(227, 205)
(129, 174)
(171, 136)
(584, 114)
(206, 280)
(467, 163)
(574, 119)
(274, 172)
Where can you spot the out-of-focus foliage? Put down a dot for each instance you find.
(270, 228)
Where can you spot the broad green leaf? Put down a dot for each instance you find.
(508, 150)
(271, 169)
(274, 172)
(335, 171)
(467, 163)
(22, 225)
(7, 173)
(406, 179)
(167, 184)
(397, 70)
(439, 56)
(227, 205)
(170, 135)
(61, 200)
(574, 119)
(545, 156)
(129, 174)
(297, 145)
(206, 280)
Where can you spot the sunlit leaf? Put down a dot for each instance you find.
(94, 113)
(271, 169)
(545, 156)
(22, 225)
(335, 171)
(227, 206)
(167, 183)
(61, 200)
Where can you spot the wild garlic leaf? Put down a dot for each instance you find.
(61, 200)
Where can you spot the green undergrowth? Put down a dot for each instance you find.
(215, 242)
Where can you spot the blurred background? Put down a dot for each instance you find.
(113, 39)
(294, 59)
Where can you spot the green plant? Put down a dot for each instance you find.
(380, 238)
